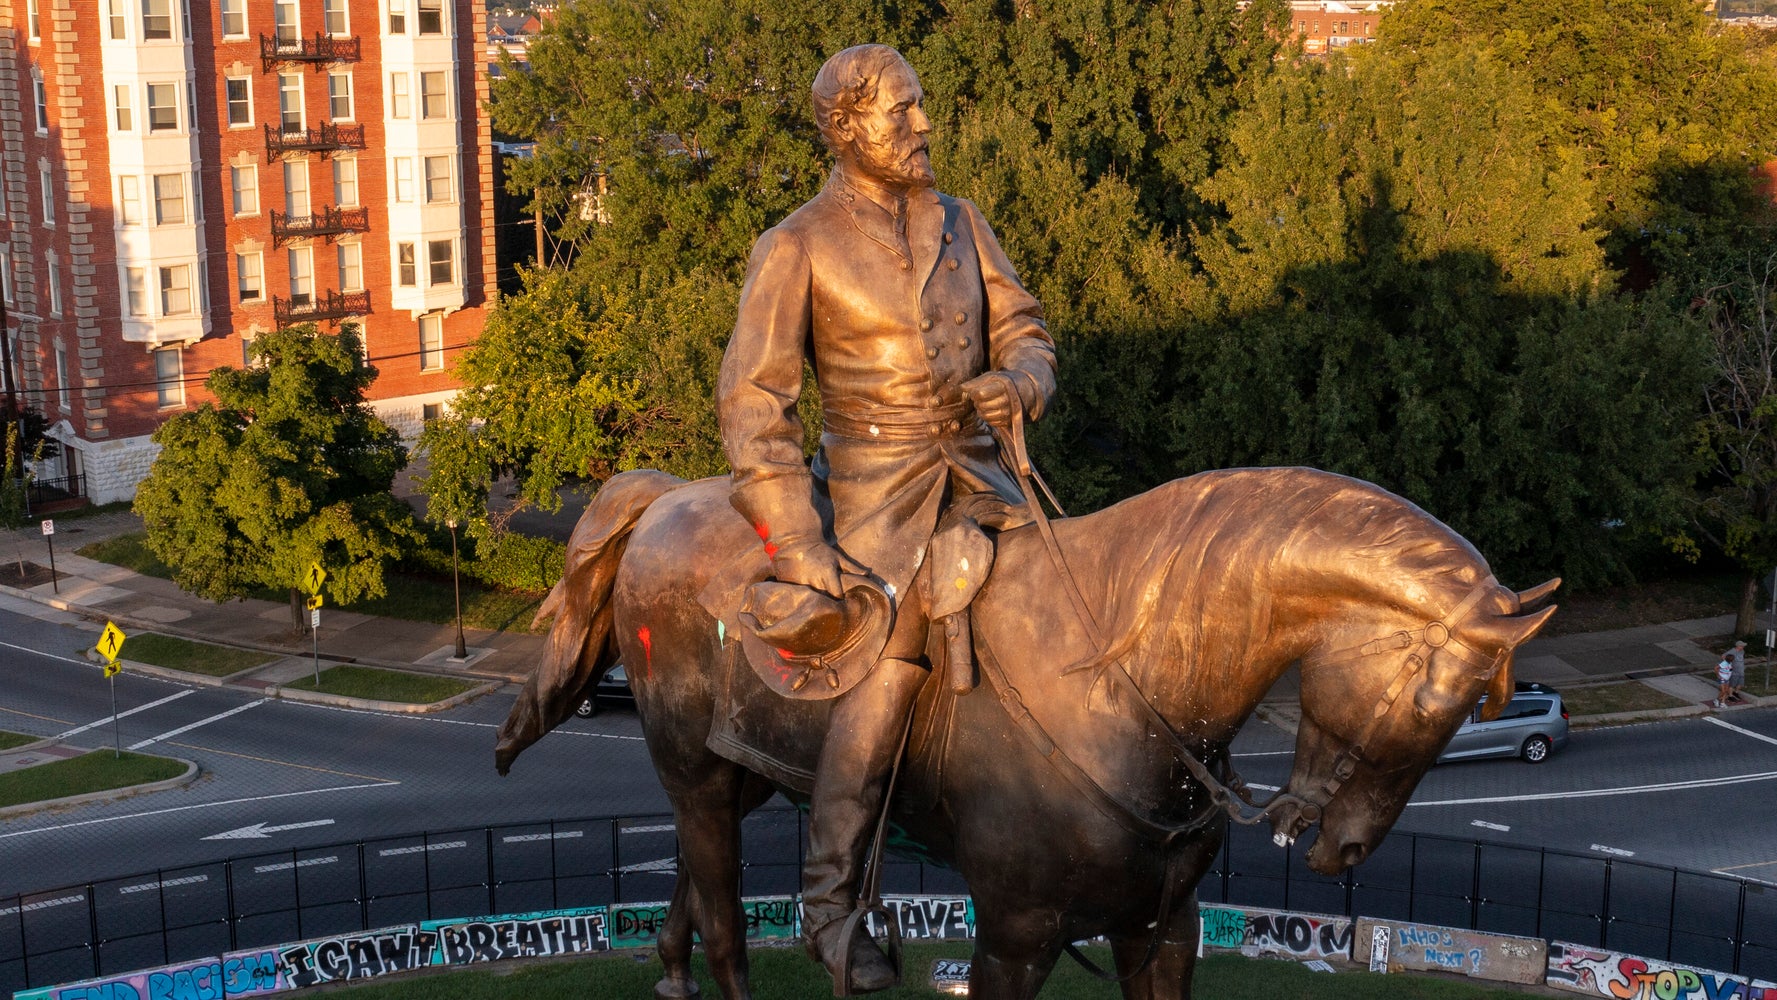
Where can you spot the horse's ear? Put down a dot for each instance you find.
(1534, 598)
(1509, 633)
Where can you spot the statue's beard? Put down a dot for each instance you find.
(902, 165)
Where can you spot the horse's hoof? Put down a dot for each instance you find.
(674, 989)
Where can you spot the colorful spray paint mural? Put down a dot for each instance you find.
(1253, 931)
(1600, 973)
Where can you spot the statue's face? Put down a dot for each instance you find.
(888, 135)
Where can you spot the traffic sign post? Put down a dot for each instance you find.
(49, 536)
(109, 645)
(311, 582)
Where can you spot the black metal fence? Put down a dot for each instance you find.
(155, 918)
(41, 490)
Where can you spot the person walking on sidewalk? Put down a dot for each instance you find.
(1724, 672)
(1737, 679)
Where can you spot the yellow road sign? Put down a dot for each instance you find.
(311, 581)
(110, 642)
(112, 668)
(314, 602)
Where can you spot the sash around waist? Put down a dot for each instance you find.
(881, 423)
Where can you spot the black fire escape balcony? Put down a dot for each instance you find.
(331, 305)
(326, 224)
(326, 139)
(317, 51)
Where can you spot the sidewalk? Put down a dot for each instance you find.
(1664, 657)
(90, 593)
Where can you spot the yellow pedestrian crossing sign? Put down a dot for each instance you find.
(311, 581)
(110, 644)
(112, 668)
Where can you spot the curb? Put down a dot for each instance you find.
(190, 775)
(371, 705)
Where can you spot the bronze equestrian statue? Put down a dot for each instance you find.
(779, 628)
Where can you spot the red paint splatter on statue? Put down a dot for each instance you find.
(647, 649)
(764, 531)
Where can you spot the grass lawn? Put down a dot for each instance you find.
(196, 657)
(383, 685)
(1623, 696)
(98, 771)
(412, 597)
(10, 740)
(786, 974)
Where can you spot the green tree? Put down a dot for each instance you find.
(14, 482)
(289, 467)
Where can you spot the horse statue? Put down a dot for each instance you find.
(1080, 790)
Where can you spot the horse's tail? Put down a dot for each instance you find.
(579, 649)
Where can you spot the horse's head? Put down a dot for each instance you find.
(1377, 711)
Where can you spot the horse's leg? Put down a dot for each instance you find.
(674, 946)
(707, 814)
(1014, 955)
(1168, 976)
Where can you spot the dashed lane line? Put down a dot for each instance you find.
(197, 805)
(96, 723)
(284, 866)
(525, 838)
(166, 884)
(1743, 732)
(43, 904)
(218, 717)
(449, 845)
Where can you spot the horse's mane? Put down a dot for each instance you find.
(1223, 543)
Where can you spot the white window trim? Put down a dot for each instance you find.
(345, 249)
(39, 101)
(246, 27)
(175, 385)
(345, 11)
(434, 354)
(351, 97)
(228, 122)
(357, 197)
(298, 169)
(148, 107)
(259, 295)
(238, 170)
(450, 180)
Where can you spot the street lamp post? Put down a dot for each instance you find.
(457, 586)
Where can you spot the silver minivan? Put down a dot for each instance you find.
(1532, 726)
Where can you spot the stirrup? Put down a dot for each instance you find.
(852, 924)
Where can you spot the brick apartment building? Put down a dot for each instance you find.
(1324, 25)
(182, 175)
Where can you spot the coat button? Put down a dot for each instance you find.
(906, 265)
(962, 341)
(962, 318)
(925, 322)
(948, 238)
(931, 352)
(952, 426)
(951, 263)
(934, 402)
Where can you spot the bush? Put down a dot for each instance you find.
(517, 562)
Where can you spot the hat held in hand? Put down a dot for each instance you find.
(809, 645)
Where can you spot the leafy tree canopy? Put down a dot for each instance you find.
(289, 467)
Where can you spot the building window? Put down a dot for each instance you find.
(244, 180)
(234, 18)
(403, 179)
(397, 17)
(296, 188)
(290, 101)
(398, 96)
(431, 342)
(432, 94)
(157, 20)
(115, 21)
(169, 377)
(302, 275)
(40, 94)
(169, 199)
(47, 181)
(333, 17)
(405, 275)
(135, 283)
(125, 118)
(437, 179)
(54, 267)
(339, 96)
(345, 181)
(351, 267)
(285, 22)
(5, 275)
(62, 386)
(239, 91)
(249, 272)
(34, 18)
(175, 290)
(129, 200)
(163, 107)
(431, 17)
(438, 262)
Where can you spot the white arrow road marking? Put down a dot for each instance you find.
(1592, 793)
(1483, 824)
(146, 886)
(417, 848)
(1618, 851)
(285, 866)
(42, 905)
(1743, 732)
(663, 865)
(77, 730)
(199, 805)
(218, 717)
(525, 838)
(260, 831)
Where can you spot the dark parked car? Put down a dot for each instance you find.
(613, 687)
(1532, 726)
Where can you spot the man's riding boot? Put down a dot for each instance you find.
(862, 741)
